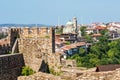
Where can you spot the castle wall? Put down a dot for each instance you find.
(14, 33)
(35, 50)
(36, 44)
(10, 66)
(38, 53)
(40, 76)
(83, 75)
(35, 32)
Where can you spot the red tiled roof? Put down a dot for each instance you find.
(4, 41)
(80, 43)
(68, 47)
(100, 27)
(90, 29)
(73, 33)
(109, 67)
(73, 46)
(96, 35)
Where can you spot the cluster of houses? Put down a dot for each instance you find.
(114, 30)
(70, 40)
(67, 44)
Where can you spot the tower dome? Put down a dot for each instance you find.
(69, 23)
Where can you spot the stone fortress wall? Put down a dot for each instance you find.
(31, 32)
(109, 75)
(35, 51)
(10, 66)
(37, 45)
(34, 32)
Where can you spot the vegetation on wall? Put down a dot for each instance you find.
(26, 71)
(47, 36)
(52, 71)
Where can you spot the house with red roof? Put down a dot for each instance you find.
(73, 48)
(99, 28)
(95, 30)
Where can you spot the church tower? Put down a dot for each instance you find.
(75, 24)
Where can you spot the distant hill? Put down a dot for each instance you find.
(23, 25)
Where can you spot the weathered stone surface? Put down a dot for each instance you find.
(68, 63)
(10, 66)
(37, 46)
(39, 76)
(109, 75)
(37, 50)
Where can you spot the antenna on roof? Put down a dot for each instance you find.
(37, 30)
(36, 25)
(81, 20)
(58, 21)
(91, 21)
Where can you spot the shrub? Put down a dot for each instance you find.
(47, 36)
(54, 73)
(27, 71)
(67, 43)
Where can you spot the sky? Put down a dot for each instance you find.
(53, 12)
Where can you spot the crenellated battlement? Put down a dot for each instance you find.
(36, 32)
(37, 46)
(33, 32)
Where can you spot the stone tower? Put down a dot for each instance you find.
(52, 36)
(14, 33)
(75, 24)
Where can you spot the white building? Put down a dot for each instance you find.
(72, 27)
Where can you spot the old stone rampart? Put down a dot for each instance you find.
(10, 66)
(36, 51)
(40, 76)
(108, 75)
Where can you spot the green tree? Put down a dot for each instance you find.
(82, 51)
(104, 32)
(89, 38)
(100, 53)
(95, 49)
(112, 44)
(104, 61)
(83, 29)
(67, 42)
(94, 62)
